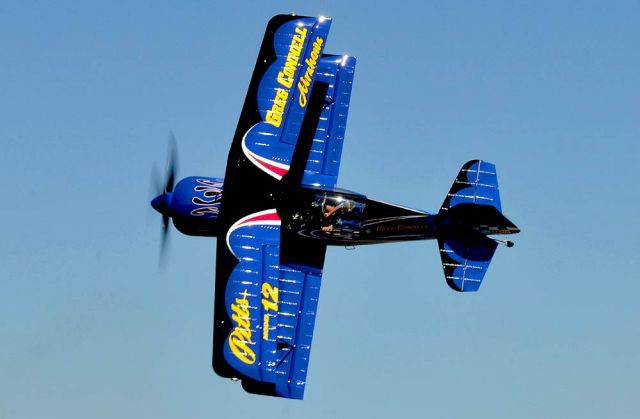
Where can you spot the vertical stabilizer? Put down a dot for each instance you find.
(470, 212)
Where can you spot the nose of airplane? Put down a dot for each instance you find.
(160, 204)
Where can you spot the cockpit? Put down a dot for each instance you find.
(330, 214)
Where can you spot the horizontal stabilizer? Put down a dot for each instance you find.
(465, 260)
(484, 219)
(473, 202)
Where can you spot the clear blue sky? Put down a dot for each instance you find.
(548, 91)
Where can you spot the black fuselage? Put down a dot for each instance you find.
(341, 217)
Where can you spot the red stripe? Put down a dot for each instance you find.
(272, 216)
(274, 169)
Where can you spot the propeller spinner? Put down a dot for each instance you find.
(164, 189)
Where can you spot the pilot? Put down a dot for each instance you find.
(329, 209)
(336, 215)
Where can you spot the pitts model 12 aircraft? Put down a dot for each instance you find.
(278, 208)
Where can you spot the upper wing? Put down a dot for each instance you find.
(323, 161)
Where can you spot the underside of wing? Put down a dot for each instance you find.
(270, 307)
(279, 92)
(290, 134)
(324, 158)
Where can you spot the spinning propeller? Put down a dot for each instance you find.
(162, 189)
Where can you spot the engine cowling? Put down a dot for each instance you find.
(194, 205)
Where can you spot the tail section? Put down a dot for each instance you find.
(476, 183)
(465, 260)
(470, 212)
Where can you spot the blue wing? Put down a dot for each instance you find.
(290, 133)
(272, 308)
(288, 64)
(323, 162)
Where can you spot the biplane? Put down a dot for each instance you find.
(278, 208)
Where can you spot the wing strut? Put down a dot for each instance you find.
(303, 253)
(317, 101)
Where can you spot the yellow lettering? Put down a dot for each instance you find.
(239, 346)
(285, 78)
(269, 305)
(269, 291)
(274, 115)
(265, 327)
(307, 78)
(240, 337)
(269, 302)
(270, 297)
(274, 118)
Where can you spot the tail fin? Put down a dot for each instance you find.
(476, 183)
(469, 213)
(474, 201)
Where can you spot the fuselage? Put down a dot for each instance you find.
(336, 217)
(341, 217)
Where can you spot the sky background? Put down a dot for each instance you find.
(548, 91)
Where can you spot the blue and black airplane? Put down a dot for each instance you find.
(278, 208)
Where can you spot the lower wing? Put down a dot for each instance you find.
(265, 309)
